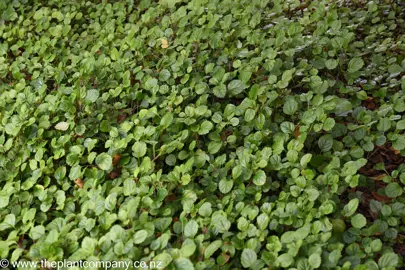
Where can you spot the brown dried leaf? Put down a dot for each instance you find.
(369, 103)
(121, 117)
(378, 177)
(113, 175)
(381, 198)
(297, 131)
(204, 230)
(116, 158)
(396, 152)
(171, 198)
(79, 182)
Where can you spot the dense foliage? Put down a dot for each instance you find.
(205, 133)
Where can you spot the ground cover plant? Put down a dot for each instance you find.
(204, 134)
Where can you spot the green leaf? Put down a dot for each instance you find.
(315, 260)
(235, 87)
(9, 222)
(401, 125)
(394, 69)
(191, 229)
(205, 127)
(4, 201)
(89, 245)
(4, 250)
(305, 159)
(115, 55)
(325, 143)
(221, 223)
(75, 172)
(236, 171)
(234, 121)
(287, 75)
(219, 91)
(139, 149)
(393, 190)
(205, 209)
(248, 258)
(170, 160)
(92, 95)
(164, 75)
(110, 202)
(399, 143)
(129, 187)
(183, 264)
(343, 107)
(29, 215)
(249, 115)
(56, 31)
(151, 83)
(329, 124)
(355, 64)
(140, 236)
(164, 259)
(214, 246)
(313, 194)
(290, 106)
(384, 124)
(260, 178)
(166, 119)
(351, 207)
(104, 161)
(263, 221)
(185, 179)
(37, 232)
(331, 64)
(358, 221)
(52, 236)
(399, 105)
(285, 260)
(388, 260)
(225, 185)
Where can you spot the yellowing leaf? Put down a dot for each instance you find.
(165, 44)
(62, 126)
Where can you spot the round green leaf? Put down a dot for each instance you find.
(315, 260)
(358, 221)
(92, 95)
(140, 236)
(191, 228)
(290, 106)
(139, 149)
(104, 161)
(205, 127)
(214, 246)
(260, 178)
(393, 190)
(183, 264)
(355, 64)
(248, 258)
